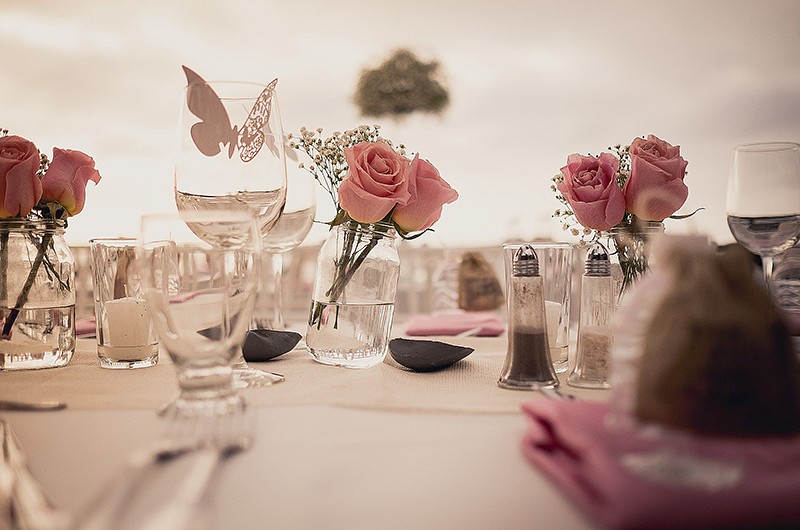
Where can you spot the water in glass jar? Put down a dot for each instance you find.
(350, 335)
(41, 337)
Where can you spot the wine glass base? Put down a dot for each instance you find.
(220, 422)
(182, 407)
(246, 377)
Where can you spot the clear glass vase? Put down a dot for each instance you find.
(37, 295)
(352, 304)
(629, 246)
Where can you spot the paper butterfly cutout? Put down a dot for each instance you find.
(215, 130)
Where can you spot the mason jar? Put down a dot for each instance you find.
(37, 295)
(352, 304)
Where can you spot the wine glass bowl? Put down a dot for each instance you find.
(763, 202)
(291, 229)
(227, 159)
(201, 297)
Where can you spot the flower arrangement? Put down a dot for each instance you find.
(34, 187)
(372, 182)
(626, 190)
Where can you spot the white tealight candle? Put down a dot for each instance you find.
(552, 314)
(128, 322)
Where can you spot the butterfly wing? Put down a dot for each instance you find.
(251, 135)
(214, 129)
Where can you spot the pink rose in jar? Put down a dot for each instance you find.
(375, 181)
(20, 187)
(590, 186)
(429, 192)
(655, 188)
(66, 179)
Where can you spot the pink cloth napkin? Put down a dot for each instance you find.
(85, 327)
(623, 478)
(488, 324)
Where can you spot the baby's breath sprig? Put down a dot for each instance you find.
(326, 154)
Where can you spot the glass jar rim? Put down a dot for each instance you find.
(23, 223)
(381, 228)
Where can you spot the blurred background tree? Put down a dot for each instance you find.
(400, 86)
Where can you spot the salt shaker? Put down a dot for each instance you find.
(528, 365)
(593, 352)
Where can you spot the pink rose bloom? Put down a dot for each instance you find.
(66, 179)
(375, 181)
(429, 192)
(590, 186)
(20, 188)
(655, 188)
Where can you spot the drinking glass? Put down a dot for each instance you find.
(232, 156)
(291, 229)
(764, 199)
(201, 298)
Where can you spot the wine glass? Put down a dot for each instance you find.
(764, 199)
(201, 297)
(291, 229)
(232, 156)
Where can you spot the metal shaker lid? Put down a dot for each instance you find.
(526, 262)
(598, 262)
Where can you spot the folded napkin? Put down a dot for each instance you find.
(624, 477)
(486, 324)
(85, 327)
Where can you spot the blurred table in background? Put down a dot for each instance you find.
(426, 276)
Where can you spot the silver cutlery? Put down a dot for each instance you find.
(555, 393)
(10, 404)
(23, 503)
(180, 511)
(185, 459)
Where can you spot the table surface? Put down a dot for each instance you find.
(334, 448)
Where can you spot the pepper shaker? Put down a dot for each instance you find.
(593, 352)
(528, 365)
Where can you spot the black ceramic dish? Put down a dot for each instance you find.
(266, 344)
(426, 355)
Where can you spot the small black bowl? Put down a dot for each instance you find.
(265, 344)
(426, 355)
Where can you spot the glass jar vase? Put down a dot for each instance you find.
(629, 246)
(352, 304)
(37, 295)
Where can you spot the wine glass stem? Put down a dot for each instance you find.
(766, 265)
(277, 306)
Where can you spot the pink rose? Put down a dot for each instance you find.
(20, 188)
(429, 192)
(375, 181)
(66, 179)
(590, 186)
(655, 188)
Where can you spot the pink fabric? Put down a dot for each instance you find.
(85, 327)
(450, 324)
(570, 443)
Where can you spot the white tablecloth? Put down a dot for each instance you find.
(411, 458)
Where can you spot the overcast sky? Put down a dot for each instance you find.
(530, 83)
